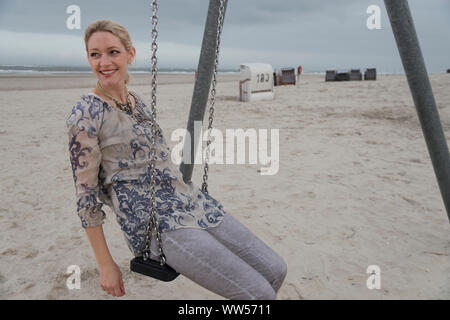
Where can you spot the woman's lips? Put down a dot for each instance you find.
(108, 74)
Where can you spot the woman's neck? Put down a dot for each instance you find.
(117, 92)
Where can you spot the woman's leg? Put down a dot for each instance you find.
(196, 254)
(242, 242)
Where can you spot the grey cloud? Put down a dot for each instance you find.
(45, 16)
(320, 33)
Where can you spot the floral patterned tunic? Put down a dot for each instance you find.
(110, 158)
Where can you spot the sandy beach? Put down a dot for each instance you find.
(355, 188)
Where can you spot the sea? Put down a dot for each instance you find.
(8, 69)
(27, 69)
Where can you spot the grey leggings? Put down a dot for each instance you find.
(228, 260)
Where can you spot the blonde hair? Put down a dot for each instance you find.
(113, 27)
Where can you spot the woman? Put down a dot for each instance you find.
(109, 144)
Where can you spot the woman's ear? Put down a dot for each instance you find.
(131, 55)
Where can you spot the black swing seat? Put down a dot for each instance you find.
(153, 268)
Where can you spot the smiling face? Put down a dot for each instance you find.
(109, 58)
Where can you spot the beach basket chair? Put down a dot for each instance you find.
(370, 74)
(286, 76)
(355, 74)
(330, 75)
(343, 76)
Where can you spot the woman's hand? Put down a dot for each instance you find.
(111, 280)
(110, 275)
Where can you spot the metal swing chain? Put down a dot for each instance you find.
(213, 94)
(153, 222)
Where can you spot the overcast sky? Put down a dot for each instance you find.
(317, 34)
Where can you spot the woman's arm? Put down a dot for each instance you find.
(110, 275)
(85, 159)
(98, 243)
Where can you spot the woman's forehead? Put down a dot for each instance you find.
(103, 40)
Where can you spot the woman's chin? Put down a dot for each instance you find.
(110, 82)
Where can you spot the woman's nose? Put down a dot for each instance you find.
(105, 60)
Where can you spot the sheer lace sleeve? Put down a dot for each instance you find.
(85, 158)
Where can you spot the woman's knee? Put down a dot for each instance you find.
(259, 291)
(280, 272)
(268, 294)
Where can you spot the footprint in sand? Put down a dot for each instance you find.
(29, 286)
(416, 161)
(411, 201)
(311, 195)
(30, 202)
(294, 196)
(290, 291)
(14, 225)
(228, 187)
(2, 279)
(58, 286)
(32, 254)
(89, 274)
(9, 252)
(76, 240)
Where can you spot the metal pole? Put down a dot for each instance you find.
(202, 84)
(419, 84)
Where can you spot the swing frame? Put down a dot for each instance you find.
(414, 66)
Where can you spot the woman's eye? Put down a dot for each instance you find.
(112, 51)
